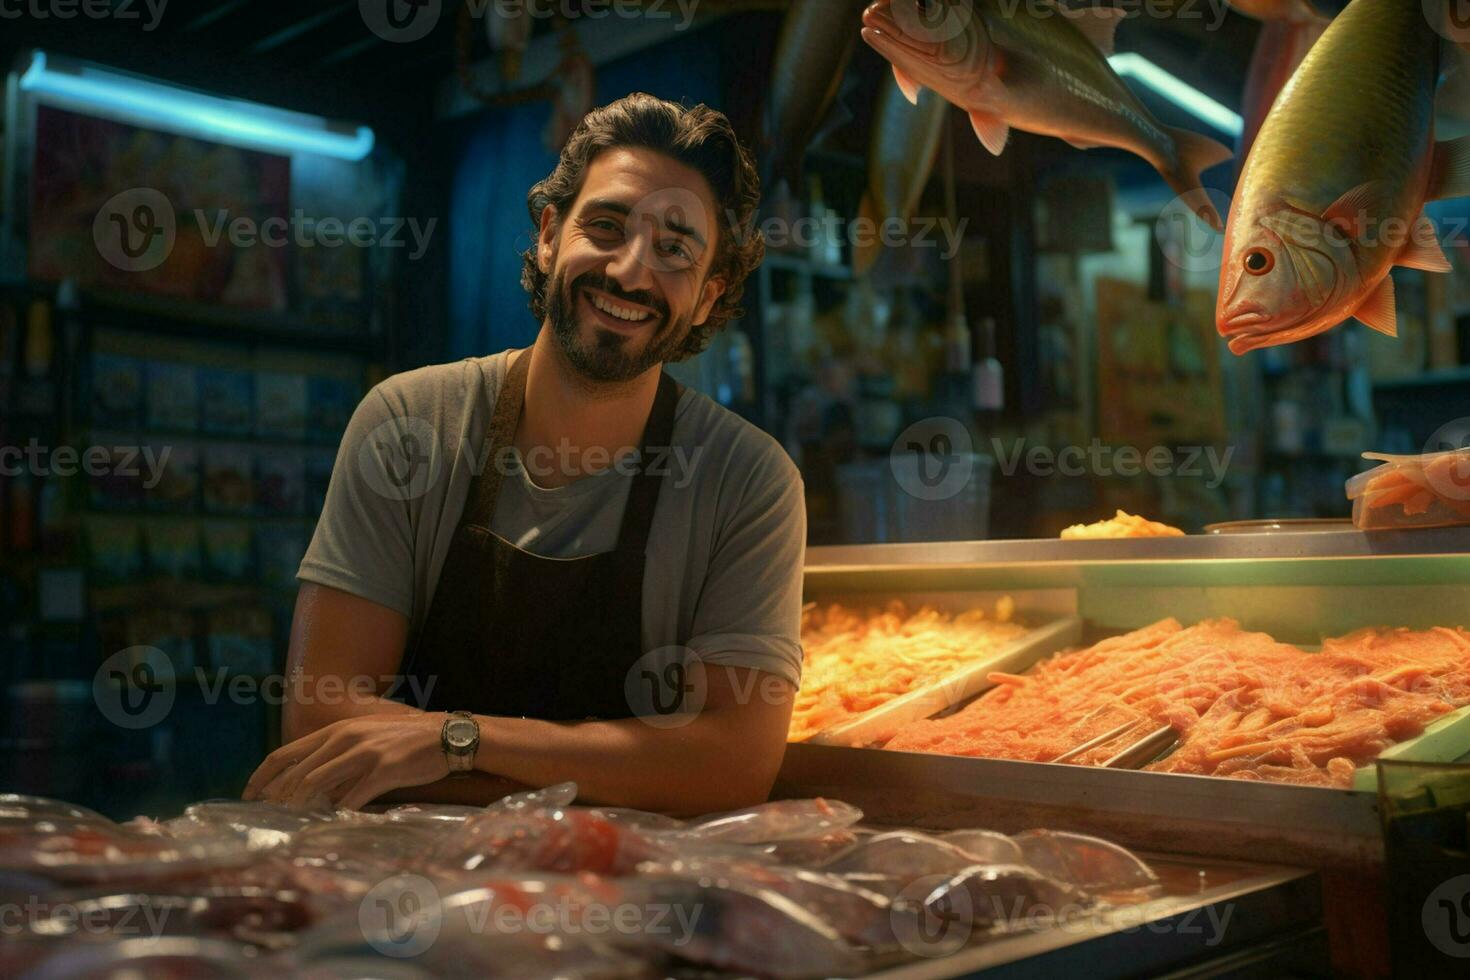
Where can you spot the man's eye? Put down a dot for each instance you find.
(676, 249)
(606, 226)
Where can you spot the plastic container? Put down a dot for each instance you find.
(1432, 490)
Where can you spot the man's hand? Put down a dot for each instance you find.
(354, 761)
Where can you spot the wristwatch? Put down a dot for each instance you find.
(460, 737)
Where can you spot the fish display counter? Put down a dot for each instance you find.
(1223, 696)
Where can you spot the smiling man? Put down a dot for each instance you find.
(583, 571)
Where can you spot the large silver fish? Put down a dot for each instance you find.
(1333, 192)
(817, 41)
(1038, 68)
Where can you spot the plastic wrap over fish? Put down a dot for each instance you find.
(861, 916)
(107, 852)
(738, 925)
(909, 854)
(1004, 896)
(482, 932)
(777, 821)
(1089, 863)
(169, 957)
(16, 808)
(562, 840)
(263, 824)
(261, 917)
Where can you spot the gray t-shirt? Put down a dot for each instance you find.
(724, 570)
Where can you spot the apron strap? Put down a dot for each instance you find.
(485, 488)
(658, 437)
(658, 442)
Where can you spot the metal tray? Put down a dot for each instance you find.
(1259, 920)
(1446, 739)
(1151, 811)
(1052, 613)
(955, 688)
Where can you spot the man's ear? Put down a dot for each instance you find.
(545, 239)
(714, 288)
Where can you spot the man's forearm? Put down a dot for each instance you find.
(703, 766)
(309, 708)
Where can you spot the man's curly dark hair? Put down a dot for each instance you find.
(701, 138)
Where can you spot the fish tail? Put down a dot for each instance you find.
(1194, 153)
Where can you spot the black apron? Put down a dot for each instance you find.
(514, 634)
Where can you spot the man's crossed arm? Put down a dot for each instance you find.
(347, 742)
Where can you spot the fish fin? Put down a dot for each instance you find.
(1377, 312)
(992, 130)
(1098, 24)
(1451, 174)
(1196, 153)
(1423, 250)
(907, 85)
(1352, 212)
(1083, 144)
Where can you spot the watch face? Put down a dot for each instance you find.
(461, 734)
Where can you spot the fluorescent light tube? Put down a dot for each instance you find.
(1177, 91)
(99, 91)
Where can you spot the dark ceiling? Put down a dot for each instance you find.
(321, 56)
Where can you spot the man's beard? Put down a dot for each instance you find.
(607, 357)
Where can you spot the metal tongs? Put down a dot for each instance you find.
(1153, 745)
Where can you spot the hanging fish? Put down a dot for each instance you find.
(1289, 30)
(509, 31)
(575, 90)
(817, 40)
(1332, 195)
(1039, 69)
(905, 142)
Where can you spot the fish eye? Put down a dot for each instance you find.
(1259, 261)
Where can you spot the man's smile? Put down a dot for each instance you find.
(617, 313)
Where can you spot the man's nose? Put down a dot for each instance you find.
(632, 267)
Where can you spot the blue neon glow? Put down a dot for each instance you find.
(180, 110)
(1177, 91)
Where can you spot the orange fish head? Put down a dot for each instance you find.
(1284, 279)
(941, 44)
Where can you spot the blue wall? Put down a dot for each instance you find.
(500, 160)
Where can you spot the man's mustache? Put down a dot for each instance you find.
(592, 280)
